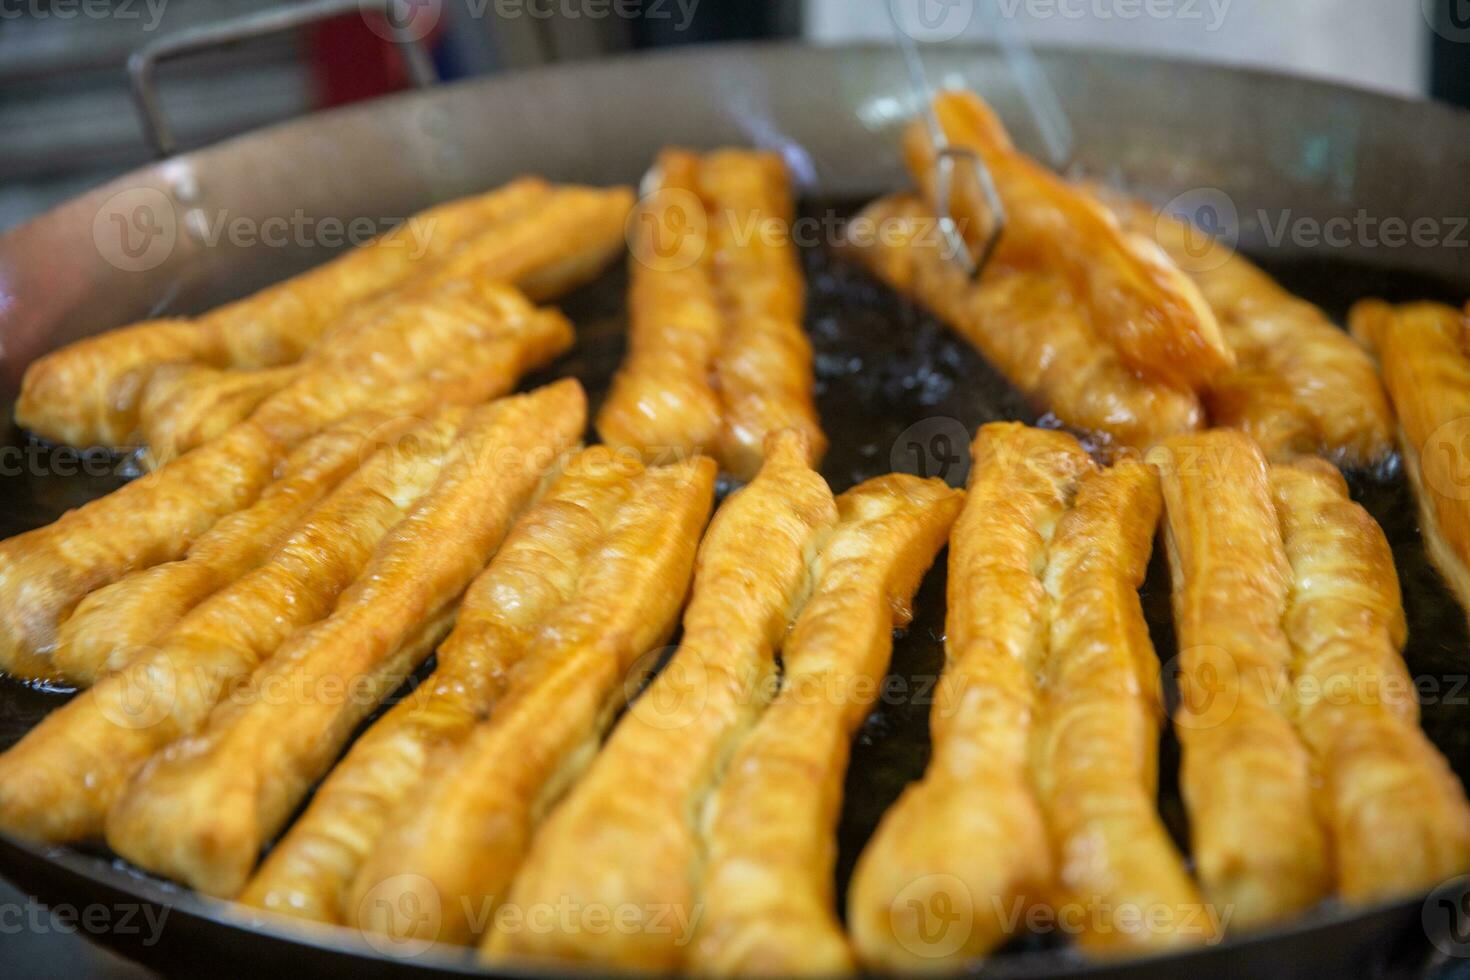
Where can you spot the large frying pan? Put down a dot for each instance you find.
(1260, 144)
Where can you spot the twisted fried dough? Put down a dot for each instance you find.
(1027, 323)
(1095, 754)
(767, 879)
(1257, 842)
(717, 357)
(201, 810)
(1397, 814)
(626, 837)
(58, 782)
(966, 846)
(470, 823)
(1140, 303)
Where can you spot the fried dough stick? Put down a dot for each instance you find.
(1423, 354)
(564, 242)
(663, 398)
(185, 405)
(468, 826)
(717, 356)
(767, 880)
(201, 810)
(1397, 814)
(113, 624)
(763, 367)
(1140, 303)
(968, 840)
(1095, 763)
(1300, 385)
(1245, 776)
(537, 573)
(60, 780)
(46, 572)
(1026, 323)
(627, 835)
(88, 393)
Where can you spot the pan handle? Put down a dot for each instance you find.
(396, 14)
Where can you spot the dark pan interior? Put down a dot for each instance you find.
(898, 391)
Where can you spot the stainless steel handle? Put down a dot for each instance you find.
(277, 20)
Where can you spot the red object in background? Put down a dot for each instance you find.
(352, 60)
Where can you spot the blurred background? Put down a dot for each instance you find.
(69, 123)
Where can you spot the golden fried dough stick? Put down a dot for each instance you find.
(212, 400)
(767, 881)
(564, 241)
(1026, 323)
(717, 356)
(1422, 352)
(45, 572)
(59, 781)
(1141, 304)
(1397, 814)
(88, 393)
(534, 574)
(1245, 776)
(201, 810)
(1300, 384)
(463, 833)
(1094, 759)
(663, 399)
(113, 624)
(185, 405)
(967, 842)
(763, 366)
(627, 836)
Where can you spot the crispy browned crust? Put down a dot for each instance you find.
(1258, 846)
(44, 573)
(201, 811)
(59, 781)
(969, 837)
(626, 837)
(1141, 304)
(89, 392)
(533, 576)
(1421, 350)
(1027, 323)
(770, 842)
(717, 356)
(1095, 755)
(115, 623)
(1397, 814)
(466, 341)
(1300, 384)
(545, 239)
(465, 831)
(185, 405)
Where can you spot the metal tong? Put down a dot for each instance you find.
(947, 160)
